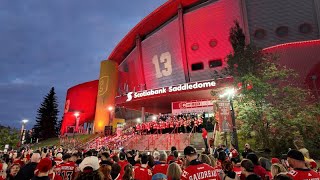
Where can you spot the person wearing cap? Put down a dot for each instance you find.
(142, 172)
(196, 169)
(300, 171)
(89, 169)
(42, 170)
(275, 160)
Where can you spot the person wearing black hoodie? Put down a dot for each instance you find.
(27, 172)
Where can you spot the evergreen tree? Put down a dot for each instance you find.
(47, 117)
(59, 124)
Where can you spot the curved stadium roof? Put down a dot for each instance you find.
(151, 22)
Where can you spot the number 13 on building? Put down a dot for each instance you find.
(165, 60)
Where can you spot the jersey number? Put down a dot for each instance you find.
(67, 175)
(165, 59)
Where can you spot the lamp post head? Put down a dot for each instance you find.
(76, 114)
(24, 121)
(230, 92)
(110, 108)
(138, 120)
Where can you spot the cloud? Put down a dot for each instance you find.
(57, 43)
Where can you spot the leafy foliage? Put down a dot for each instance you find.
(46, 121)
(273, 110)
(9, 136)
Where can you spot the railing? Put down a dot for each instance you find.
(188, 139)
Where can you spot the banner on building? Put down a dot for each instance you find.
(224, 115)
(194, 106)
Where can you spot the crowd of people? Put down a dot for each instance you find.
(166, 124)
(220, 163)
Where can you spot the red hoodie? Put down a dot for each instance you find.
(204, 133)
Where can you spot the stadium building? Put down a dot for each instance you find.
(176, 56)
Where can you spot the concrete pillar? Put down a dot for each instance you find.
(108, 85)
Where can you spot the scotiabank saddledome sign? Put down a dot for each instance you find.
(171, 89)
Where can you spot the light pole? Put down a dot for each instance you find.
(110, 109)
(229, 93)
(22, 134)
(77, 114)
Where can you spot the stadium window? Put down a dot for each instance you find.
(124, 67)
(259, 33)
(215, 63)
(197, 66)
(282, 31)
(213, 43)
(305, 28)
(195, 46)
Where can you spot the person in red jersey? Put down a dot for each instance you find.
(53, 175)
(122, 162)
(163, 166)
(247, 167)
(171, 155)
(196, 169)
(205, 138)
(142, 172)
(233, 152)
(58, 159)
(176, 158)
(300, 171)
(258, 169)
(68, 169)
(236, 166)
(3, 174)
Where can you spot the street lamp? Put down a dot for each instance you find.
(77, 114)
(229, 93)
(138, 120)
(110, 109)
(22, 134)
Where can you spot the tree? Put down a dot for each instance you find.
(59, 126)
(271, 108)
(9, 136)
(46, 121)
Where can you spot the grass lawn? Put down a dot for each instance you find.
(56, 141)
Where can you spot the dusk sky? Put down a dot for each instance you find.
(57, 43)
